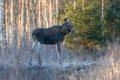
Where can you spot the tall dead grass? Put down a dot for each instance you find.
(109, 65)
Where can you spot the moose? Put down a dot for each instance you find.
(51, 36)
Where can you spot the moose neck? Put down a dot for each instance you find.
(64, 32)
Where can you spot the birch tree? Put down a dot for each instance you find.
(74, 3)
(83, 4)
(6, 19)
(38, 13)
(45, 14)
(4, 26)
(22, 16)
(50, 13)
(102, 20)
(57, 13)
(1, 11)
(19, 23)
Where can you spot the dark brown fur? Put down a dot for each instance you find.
(53, 35)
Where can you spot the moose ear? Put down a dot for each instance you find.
(66, 20)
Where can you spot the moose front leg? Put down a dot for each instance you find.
(59, 48)
(59, 51)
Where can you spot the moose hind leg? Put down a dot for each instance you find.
(39, 49)
(31, 51)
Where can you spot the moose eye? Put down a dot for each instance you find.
(69, 30)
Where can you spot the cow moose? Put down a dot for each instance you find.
(51, 36)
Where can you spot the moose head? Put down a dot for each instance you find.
(67, 26)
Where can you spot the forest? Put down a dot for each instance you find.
(95, 42)
(97, 22)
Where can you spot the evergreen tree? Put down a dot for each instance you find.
(87, 23)
(113, 20)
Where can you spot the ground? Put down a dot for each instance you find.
(73, 67)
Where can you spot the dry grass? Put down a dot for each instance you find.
(109, 65)
(106, 67)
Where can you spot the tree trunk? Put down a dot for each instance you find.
(83, 4)
(74, 4)
(35, 15)
(28, 20)
(4, 25)
(102, 20)
(11, 23)
(45, 15)
(38, 13)
(22, 18)
(19, 23)
(50, 12)
(6, 20)
(57, 13)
